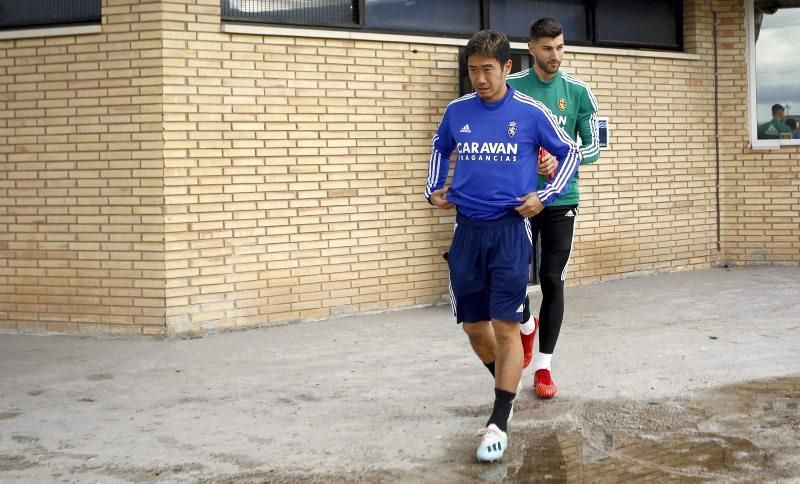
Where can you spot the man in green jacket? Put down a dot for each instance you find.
(774, 128)
(575, 109)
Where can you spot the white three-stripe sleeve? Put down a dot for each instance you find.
(555, 140)
(590, 133)
(587, 124)
(439, 161)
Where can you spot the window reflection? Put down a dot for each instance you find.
(444, 16)
(299, 12)
(777, 68)
(514, 17)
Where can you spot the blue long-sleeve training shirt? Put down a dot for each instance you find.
(497, 149)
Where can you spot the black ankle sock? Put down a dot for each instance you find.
(526, 309)
(490, 366)
(502, 408)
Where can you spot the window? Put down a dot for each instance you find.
(514, 17)
(443, 16)
(294, 12)
(614, 23)
(17, 14)
(650, 23)
(774, 70)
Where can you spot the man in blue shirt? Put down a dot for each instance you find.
(496, 133)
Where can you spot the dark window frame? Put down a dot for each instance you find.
(478, 7)
(247, 19)
(27, 13)
(589, 11)
(485, 13)
(677, 6)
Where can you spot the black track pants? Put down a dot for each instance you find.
(556, 226)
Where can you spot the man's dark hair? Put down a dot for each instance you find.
(776, 108)
(490, 44)
(545, 27)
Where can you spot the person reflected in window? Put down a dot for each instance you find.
(792, 124)
(774, 128)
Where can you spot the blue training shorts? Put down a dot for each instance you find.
(489, 261)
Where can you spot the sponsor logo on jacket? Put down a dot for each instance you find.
(475, 151)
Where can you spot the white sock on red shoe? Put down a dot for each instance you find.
(541, 361)
(528, 328)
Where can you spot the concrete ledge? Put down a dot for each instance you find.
(50, 32)
(421, 39)
(773, 144)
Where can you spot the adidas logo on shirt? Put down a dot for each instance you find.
(466, 129)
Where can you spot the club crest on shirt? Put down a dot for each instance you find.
(562, 104)
(511, 129)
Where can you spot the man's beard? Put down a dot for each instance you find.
(546, 68)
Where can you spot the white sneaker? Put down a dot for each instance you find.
(493, 444)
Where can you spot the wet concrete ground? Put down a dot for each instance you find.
(748, 432)
(688, 377)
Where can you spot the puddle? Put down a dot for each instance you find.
(744, 432)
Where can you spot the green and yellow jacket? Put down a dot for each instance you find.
(574, 107)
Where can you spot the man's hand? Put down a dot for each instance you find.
(438, 199)
(531, 206)
(547, 164)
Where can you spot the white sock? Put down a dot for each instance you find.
(528, 328)
(541, 361)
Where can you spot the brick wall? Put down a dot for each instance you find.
(294, 169)
(291, 171)
(761, 188)
(81, 190)
(649, 205)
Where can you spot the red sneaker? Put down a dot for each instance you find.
(543, 384)
(527, 344)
